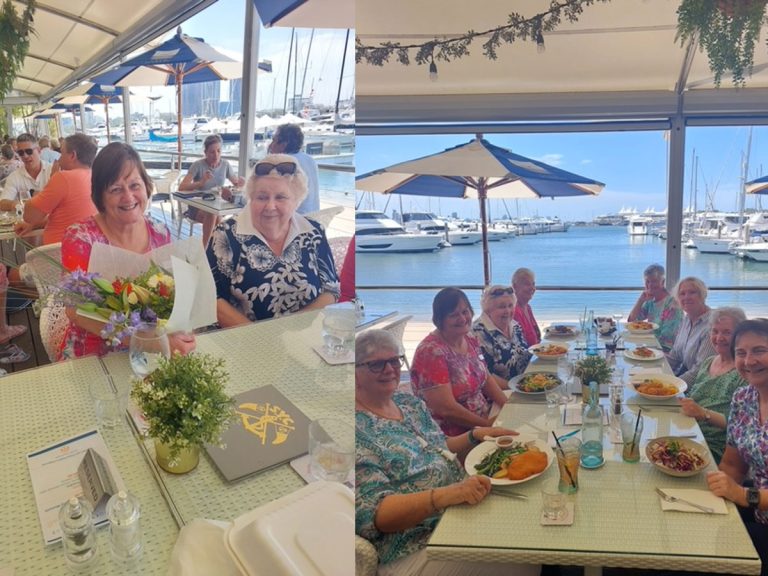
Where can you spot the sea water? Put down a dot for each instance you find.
(601, 256)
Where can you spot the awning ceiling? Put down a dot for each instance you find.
(620, 61)
(74, 39)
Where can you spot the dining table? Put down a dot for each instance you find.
(42, 406)
(618, 519)
(218, 206)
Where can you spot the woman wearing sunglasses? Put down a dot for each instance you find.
(406, 469)
(448, 371)
(269, 260)
(501, 338)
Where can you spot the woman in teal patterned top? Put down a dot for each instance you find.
(406, 469)
(709, 399)
(655, 304)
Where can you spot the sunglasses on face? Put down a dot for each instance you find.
(377, 366)
(496, 292)
(27, 151)
(283, 168)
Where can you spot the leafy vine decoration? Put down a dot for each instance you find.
(15, 30)
(518, 27)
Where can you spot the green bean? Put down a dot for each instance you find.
(491, 462)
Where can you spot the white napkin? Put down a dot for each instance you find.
(573, 412)
(701, 497)
(200, 550)
(637, 370)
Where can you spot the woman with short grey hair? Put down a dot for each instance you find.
(709, 399)
(655, 304)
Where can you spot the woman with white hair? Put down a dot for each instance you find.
(268, 260)
(655, 304)
(709, 399)
(524, 283)
(692, 345)
(504, 348)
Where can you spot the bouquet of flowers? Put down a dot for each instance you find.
(123, 303)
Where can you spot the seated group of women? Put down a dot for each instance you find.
(406, 444)
(267, 261)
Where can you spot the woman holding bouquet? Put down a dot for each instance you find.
(120, 189)
(268, 260)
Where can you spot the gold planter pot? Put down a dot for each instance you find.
(185, 461)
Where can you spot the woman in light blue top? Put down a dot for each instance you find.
(655, 304)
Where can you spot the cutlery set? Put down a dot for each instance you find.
(670, 498)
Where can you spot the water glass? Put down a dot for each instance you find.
(148, 344)
(568, 455)
(109, 399)
(331, 449)
(339, 330)
(631, 432)
(553, 501)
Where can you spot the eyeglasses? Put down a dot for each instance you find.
(283, 168)
(377, 366)
(27, 151)
(499, 291)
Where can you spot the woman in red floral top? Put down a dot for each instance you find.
(448, 370)
(524, 283)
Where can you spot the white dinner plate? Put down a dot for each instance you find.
(668, 379)
(561, 331)
(629, 328)
(479, 451)
(515, 382)
(538, 348)
(657, 355)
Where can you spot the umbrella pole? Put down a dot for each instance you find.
(106, 113)
(481, 196)
(179, 79)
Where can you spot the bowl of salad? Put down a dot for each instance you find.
(680, 457)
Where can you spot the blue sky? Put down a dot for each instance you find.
(632, 165)
(222, 26)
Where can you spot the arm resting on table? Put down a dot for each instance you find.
(228, 316)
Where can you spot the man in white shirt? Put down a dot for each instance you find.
(30, 178)
(289, 139)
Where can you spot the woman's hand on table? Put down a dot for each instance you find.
(182, 342)
(481, 432)
(720, 484)
(692, 409)
(470, 491)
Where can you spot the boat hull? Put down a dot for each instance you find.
(396, 243)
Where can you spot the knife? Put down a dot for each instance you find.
(508, 494)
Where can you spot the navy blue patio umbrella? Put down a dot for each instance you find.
(757, 186)
(478, 169)
(90, 93)
(306, 13)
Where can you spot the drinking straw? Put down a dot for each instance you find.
(568, 470)
(634, 435)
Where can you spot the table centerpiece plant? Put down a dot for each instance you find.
(185, 405)
(592, 369)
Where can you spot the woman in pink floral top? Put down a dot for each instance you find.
(524, 283)
(448, 371)
(746, 450)
(120, 189)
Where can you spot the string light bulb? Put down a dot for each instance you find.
(540, 40)
(432, 69)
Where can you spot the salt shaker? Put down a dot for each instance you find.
(77, 533)
(124, 513)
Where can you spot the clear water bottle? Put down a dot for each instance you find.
(77, 533)
(592, 430)
(591, 335)
(124, 513)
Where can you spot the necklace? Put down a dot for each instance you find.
(398, 418)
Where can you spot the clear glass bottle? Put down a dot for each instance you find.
(592, 430)
(591, 335)
(124, 513)
(77, 533)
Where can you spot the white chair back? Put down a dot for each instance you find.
(324, 216)
(43, 265)
(397, 329)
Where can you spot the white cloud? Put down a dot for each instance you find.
(552, 159)
(585, 161)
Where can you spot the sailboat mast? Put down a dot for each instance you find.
(288, 72)
(743, 187)
(341, 77)
(306, 63)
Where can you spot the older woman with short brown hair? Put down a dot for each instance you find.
(269, 260)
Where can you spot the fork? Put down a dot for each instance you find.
(508, 494)
(670, 498)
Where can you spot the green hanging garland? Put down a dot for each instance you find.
(15, 30)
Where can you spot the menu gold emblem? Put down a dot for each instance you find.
(266, 421)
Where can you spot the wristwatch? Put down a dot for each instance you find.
(753, 498)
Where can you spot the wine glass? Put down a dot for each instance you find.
(148, 344)
(565, 369)
(617, 318)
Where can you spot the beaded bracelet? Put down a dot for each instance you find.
(435, 509)
(472, 440)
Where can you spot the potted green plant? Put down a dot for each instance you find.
(592, 369)
(727, 31)
(185, 405)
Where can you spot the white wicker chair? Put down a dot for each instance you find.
(325, 215)
(366, 558)
(43, 265)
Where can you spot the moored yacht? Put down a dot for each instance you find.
(428, 223)
(376, 232)
(638, 225)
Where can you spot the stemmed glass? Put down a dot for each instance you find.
(565, 369)
(617, 318)
(148, 344)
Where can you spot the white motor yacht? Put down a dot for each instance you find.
(376, 232)
(755, 251)
(638, 225)
(428, 223)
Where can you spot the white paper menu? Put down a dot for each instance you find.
(54, 474)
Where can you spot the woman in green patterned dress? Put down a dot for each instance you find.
(656, 304)
(709, 399)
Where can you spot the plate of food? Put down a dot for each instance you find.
(644, 354)
(560, 331)
(547, 351)
(679, 457)
(605, 325)
(641, 327)
(658, 386)
(535, 382)
(524, 460)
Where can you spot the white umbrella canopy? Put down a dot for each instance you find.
(478, 169)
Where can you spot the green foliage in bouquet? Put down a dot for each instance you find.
(593, 369)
